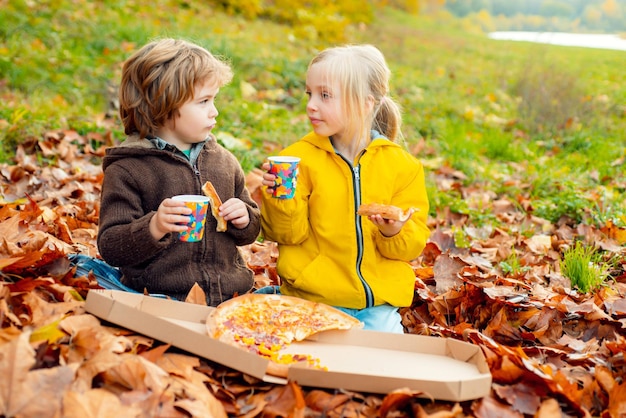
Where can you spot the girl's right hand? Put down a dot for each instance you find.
(389, 227)
(171, 216)
(269, 179)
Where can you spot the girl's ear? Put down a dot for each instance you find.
(369, 104)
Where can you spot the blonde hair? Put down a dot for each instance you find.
(361, 71)
(160, 77)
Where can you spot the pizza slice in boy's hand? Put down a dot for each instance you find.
(386, 211)
(264, 324)
(215, 202)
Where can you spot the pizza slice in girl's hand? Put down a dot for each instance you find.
(386, 211)
(264, 324)
(215, 202)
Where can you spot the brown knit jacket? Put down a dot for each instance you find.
(137, 177)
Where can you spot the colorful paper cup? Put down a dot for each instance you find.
(286, 171)
(199, 206)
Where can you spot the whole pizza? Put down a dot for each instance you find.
(265, 324)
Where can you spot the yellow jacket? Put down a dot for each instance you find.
(327, 253)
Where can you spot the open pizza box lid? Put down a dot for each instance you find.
(357, 360)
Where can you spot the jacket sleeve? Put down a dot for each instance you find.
(124, 237)
(409, 243)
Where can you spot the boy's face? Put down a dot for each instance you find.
(197, 119)
(324, 105)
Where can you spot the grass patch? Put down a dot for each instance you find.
(512, 266)
(582, 265)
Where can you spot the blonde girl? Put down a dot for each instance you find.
(327, 253)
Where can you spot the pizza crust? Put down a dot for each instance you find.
(386, 211)
(277, 369)
(215, 202)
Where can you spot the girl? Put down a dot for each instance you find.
(328, 253)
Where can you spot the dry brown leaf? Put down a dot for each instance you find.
(200, 400)
(196, 295)
(136, 373)
(96, 403)
(155, 354)
(397, 400)
(286, 401)
(489, 407)
(522, 396)
(549, 409)
(319, 400)
(614, 232)
(178, 364)
(17, 358)
(446, 271)
(44, 312)
(29, 393)
(539, 244)
(455, 412)
(617, 403)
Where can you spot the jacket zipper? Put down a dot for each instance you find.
(356, 183)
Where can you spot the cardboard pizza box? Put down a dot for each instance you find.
(357, 360)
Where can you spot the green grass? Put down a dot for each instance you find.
(512, 265)
(582, 265)
(480, 105)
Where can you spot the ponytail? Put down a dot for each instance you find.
(388, 119)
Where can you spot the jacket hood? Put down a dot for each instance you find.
(132, 146)
(136, 146)
(324, 143)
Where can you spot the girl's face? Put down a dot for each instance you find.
(196, 120)
(324, 106)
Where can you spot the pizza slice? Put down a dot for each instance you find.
(215, 202)
(265, 324)
(386, 211)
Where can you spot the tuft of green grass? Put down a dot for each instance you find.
(512, 265)
(582, 265)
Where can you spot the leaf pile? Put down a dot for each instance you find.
(552, 351)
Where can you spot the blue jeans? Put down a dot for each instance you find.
(107, 276)
(377, 318)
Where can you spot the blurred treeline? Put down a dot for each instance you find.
(607, 16)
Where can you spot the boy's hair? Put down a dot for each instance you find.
(160, 77)
(361, 71)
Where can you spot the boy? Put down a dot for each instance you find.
(167, 107)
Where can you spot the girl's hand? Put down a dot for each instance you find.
(171, 216)
(269, 180)
(235, 212)
(389, 227)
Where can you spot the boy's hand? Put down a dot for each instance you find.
(235, 212)
(389, 227)
(172, 216)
